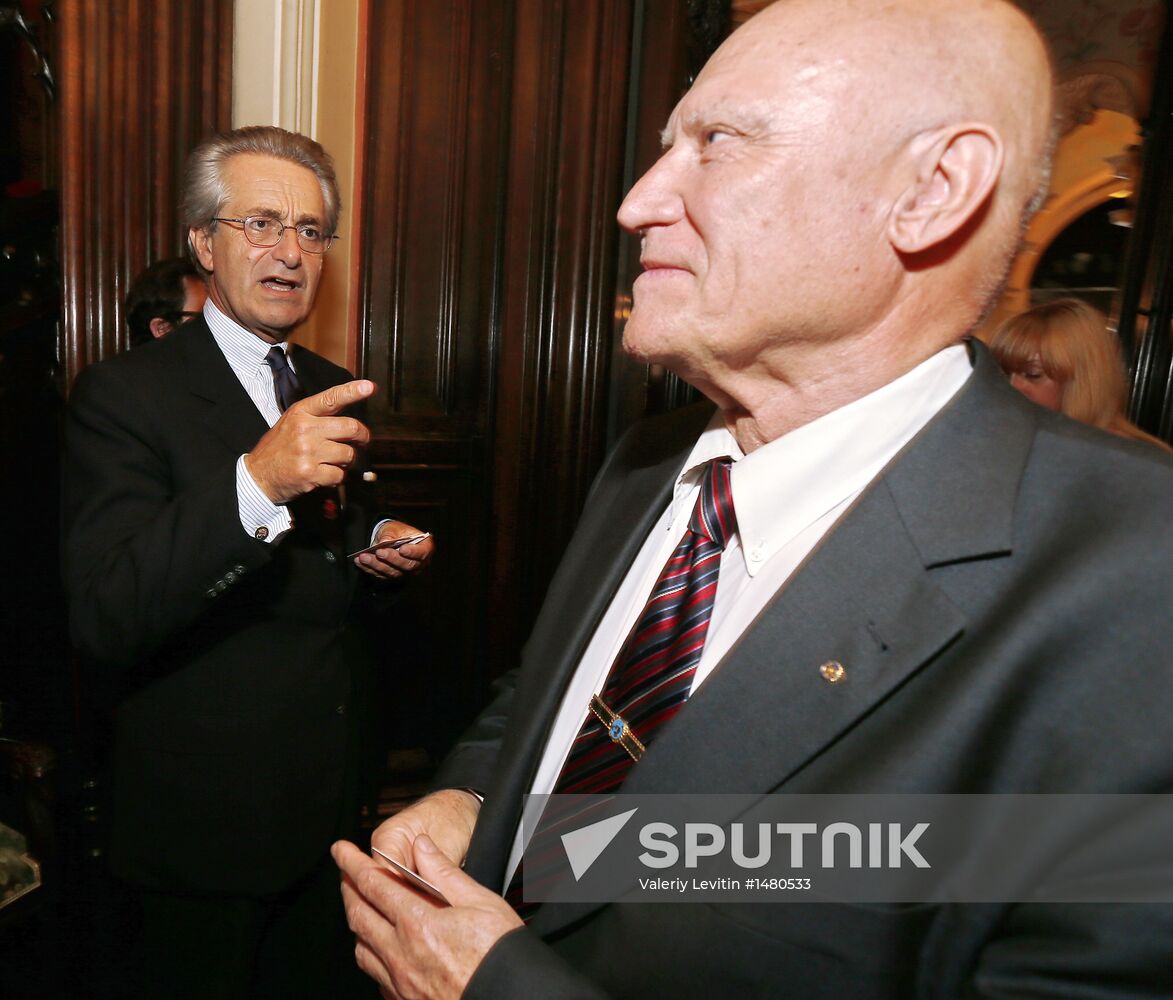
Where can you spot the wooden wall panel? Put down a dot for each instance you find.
(141, 82)
(429, 258)
(1145, 308)
(566, 169)
(492, 171)
(663, 52)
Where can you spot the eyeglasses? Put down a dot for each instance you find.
(261, 231)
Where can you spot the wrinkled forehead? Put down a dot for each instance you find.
(764, 88)
(259, 181)
(944, 55)
(790, 74)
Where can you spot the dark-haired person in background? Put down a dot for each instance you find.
(208, 519)
(165, 294)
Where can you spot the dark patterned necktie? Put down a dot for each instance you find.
(286, 387)
(652, 675)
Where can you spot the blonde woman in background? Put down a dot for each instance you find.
(1062, 355)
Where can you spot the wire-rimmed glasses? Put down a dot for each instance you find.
(263, 231)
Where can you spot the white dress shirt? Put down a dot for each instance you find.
(787, 494)
(245, 353)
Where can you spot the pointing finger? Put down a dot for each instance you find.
(337, 398)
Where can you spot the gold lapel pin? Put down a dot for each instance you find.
(833, 671)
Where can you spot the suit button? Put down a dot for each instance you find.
(211, 594)
(238, 569)
(221, 586)
(330, 557)
(341, 709)
(261, 533)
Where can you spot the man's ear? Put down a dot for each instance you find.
(198, 238)
(956, 168)
(160, 327)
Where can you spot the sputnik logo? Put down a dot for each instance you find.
(583, 846)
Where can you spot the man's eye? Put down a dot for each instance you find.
(259, 226)
(309, 233)
(715, 135)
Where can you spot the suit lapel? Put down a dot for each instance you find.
(865, 599)
(767, 710)
(307, 366)
(232, 417)
(879, 620)
(630, 493)
(618, 517)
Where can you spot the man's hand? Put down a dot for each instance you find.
(447, 817)
(410, 944)
(388, 563)
(310, 446)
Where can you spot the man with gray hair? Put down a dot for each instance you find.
(898, 569)
(208, 520)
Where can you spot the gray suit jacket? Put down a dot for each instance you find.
(1000, 599)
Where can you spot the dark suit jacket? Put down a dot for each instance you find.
(238, 668)
(1000, 600)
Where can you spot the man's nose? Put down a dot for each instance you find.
(655, 199)
(288, 250)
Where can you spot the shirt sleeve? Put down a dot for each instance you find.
(378, 526)
(259, 516)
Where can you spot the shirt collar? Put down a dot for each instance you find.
(784, 486)
(245, 351)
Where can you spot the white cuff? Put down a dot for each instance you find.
(259, 516)
(378, 526)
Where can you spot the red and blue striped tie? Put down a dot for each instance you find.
(652, 675)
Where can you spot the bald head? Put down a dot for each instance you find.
(845, 181)
(894, 69)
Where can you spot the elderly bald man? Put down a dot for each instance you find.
(911, 592)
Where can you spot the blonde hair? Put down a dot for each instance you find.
(1071, 341)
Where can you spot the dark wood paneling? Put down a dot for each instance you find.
(569, 104)
(141, 82)
(493, 164)
(433, 166)
(431, 218)
(1145, 321)
(662, 54)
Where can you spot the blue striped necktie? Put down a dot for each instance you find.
(649, 681)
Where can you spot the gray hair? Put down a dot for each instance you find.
(204, 190)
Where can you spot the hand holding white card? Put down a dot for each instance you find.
(416, 880)
(392, 543)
